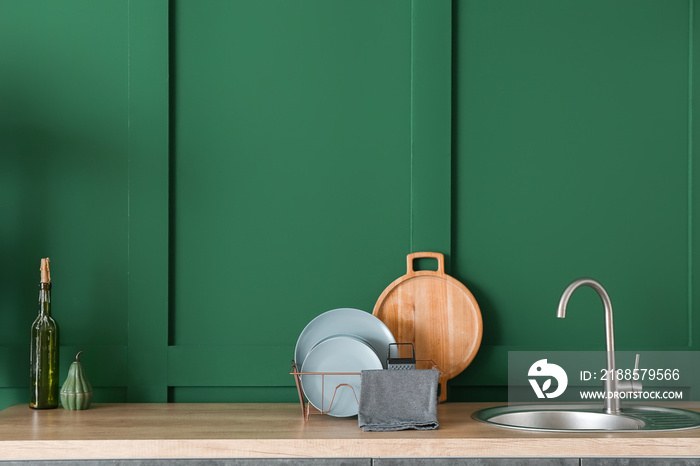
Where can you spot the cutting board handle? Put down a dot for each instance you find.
(423, 255)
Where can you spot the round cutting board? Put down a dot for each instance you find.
(436, 313)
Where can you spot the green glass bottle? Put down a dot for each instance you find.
(43, 383)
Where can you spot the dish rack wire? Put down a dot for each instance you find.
(307, 408)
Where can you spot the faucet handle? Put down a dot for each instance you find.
(634, 385)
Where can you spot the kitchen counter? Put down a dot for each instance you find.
(279, 431)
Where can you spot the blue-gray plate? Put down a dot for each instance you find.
(337, 394)
(347, 322)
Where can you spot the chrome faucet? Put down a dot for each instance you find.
(611, 403)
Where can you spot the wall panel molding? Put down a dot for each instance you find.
(148, 174)
(431, 129)
(693, 181)
(229, 366)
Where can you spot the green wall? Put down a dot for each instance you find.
(209, 176)
(573, 156)
(64, 184)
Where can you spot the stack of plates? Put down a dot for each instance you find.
(337, 343)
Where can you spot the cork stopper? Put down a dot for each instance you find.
(45, 272)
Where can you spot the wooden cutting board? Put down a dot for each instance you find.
(436, 313)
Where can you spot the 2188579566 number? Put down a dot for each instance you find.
(640, 374)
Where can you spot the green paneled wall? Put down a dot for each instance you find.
(291, 162)
(64, 184)
(572, 157)
(209, 176)
(292, 175)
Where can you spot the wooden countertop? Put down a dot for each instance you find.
(278, 430)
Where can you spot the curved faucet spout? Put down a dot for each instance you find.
(611, 402)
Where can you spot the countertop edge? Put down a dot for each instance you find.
(349, 448)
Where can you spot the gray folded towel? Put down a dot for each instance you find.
(398, 400)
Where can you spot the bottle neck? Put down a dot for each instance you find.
(45, 299)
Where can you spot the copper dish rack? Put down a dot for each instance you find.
(307, 408)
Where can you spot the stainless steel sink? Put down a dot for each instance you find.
(588, 418)
(585, 417)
